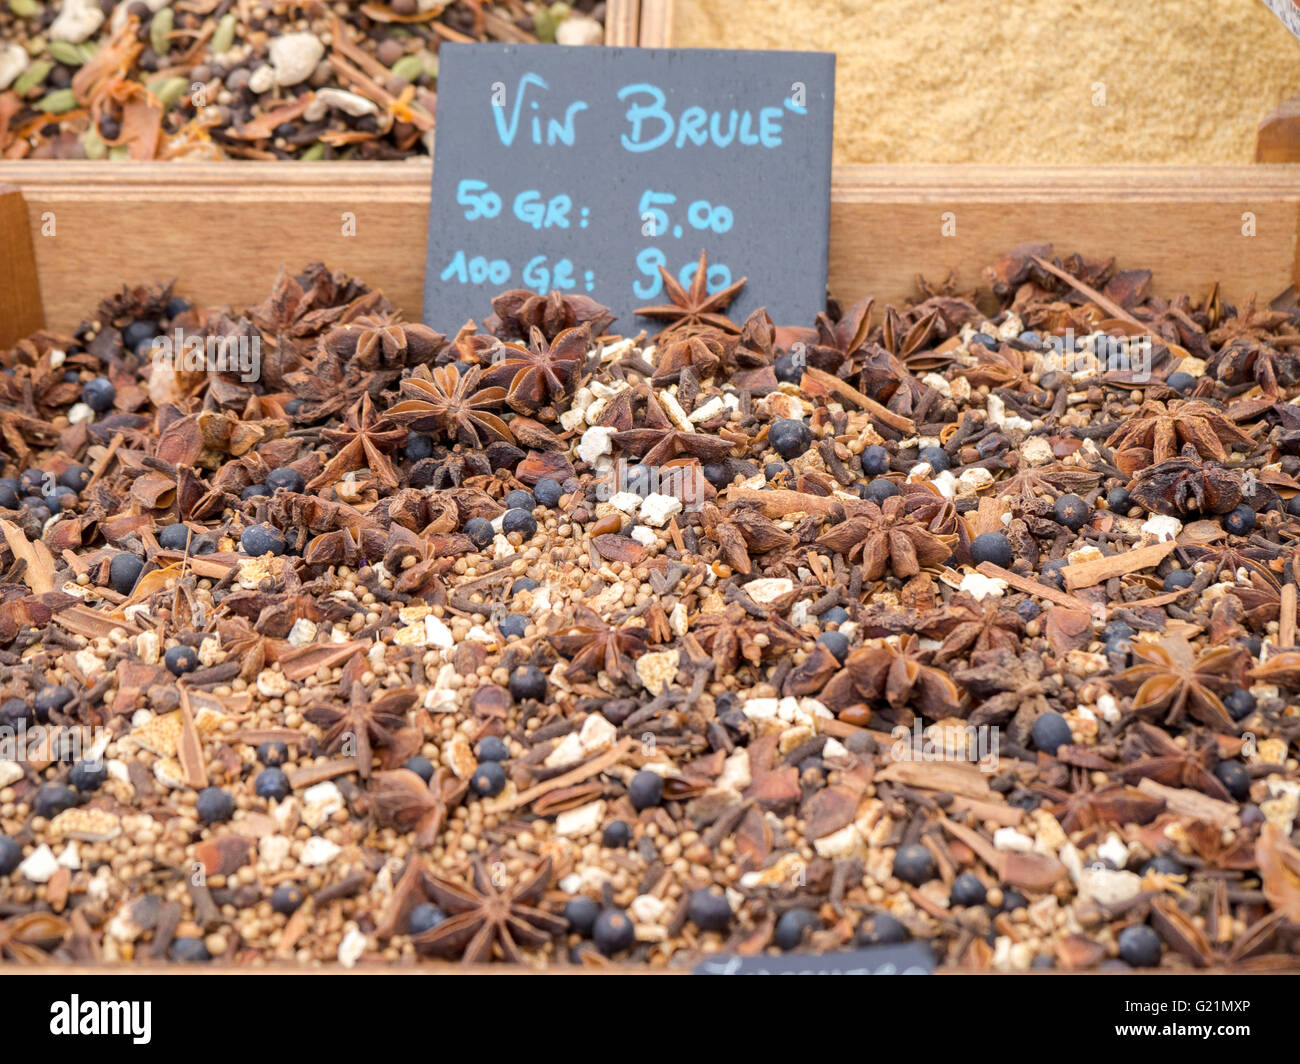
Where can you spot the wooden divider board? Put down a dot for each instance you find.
(223, 229)
(20, 298)
(622, 22)
(1192, 226)
(657, 23)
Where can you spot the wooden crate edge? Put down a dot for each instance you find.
(21, 310)
(622, 23)
(243, 220)
(657, 23)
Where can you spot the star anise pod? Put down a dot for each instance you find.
(1251, 320)
(886, 379)
(1226, 559)
(1086, 807)
(353, 547)
(21, 937)
(1002, 368)
(1048, 481)
(894, 671)
(274, 613)
(301, 306)
(740, 530)
(363, 442)
(487, 913)
(732, 637)
(1161, 759)
(540, 373)
(755, 347)
(1279, 866)
(517, 312)
(702, 352)
(838, 341)
(896, 536)
(365, 721)
(1159, 431)
(1246, 359)
(695, 308)
(376, 340)
(592, 646)
(443, 400)
(903, 335)
(402, 800)
(1003, 682)
(1187, 485)
(1173, 676)
(1282, 668)
(966, 625)
(660, 440)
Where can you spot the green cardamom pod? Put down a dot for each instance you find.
(25, 8)
(86, 50)
(170, 90)
(119, 152)
(223, 38)
(66, 53)
(58, 102)
(93, 144)
(160, 30)
(314, 154)
(408, 67)
(31, 77)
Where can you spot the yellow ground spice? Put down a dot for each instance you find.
(1028, 81)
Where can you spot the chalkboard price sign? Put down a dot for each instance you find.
(587, 169)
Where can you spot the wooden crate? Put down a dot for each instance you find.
(223, 229)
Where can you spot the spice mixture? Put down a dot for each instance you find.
(1027, 81)
(244, 79)
(327, 639)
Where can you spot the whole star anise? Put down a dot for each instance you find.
(1186, 485)
(376, 340)
(894, 671)
(402, 800)
(896, 536)
(885, 378)
(592, 646)
(740, 530)
(732, 638)
(490, 912)
(966, 625)
(702, 353)
(364, 721)
(1173, 676)
(659, 440)
(540, 373)
(517, 312)
(1085, 807)
(1159, 431)
(445, 401)
(1159, 758)
(838, 341)
(695, 308)
(363, 442)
